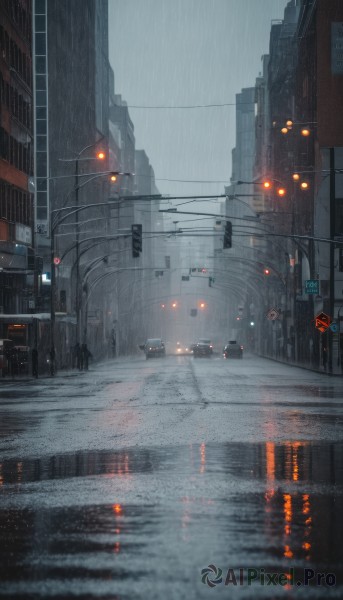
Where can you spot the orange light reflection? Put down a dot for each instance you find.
(202, 457)
(270, 470)
(117, 509)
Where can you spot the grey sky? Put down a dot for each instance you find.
(188, 52)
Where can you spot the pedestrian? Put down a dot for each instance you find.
(76, 356)
(79, 358)
(11, 361)
(325, 357)
(113, 343)
(52, 357)
(86, 355)
(34, 358)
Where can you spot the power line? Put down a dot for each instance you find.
(225, 181)
(186, 106)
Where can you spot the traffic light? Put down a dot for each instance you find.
(228, 235)
(136, 240)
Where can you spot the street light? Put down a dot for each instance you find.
(55, 222)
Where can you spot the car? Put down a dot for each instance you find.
(20, 358)
(181, 349)
(206, 341)
(203, 348)
(154, 347)
(233, 350)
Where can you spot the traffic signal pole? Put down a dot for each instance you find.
(332, 254)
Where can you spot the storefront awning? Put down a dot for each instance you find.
(30, 318)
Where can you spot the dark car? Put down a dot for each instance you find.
(203, 348)
(154, 347)
(233, 350)
(20, 357)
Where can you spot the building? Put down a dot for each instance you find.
(17, 264)
(71, 86)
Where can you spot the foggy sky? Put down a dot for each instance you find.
(188, 52)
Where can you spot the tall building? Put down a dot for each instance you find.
(239, 208)
(71, 86)
(320, 159)
(17, 267)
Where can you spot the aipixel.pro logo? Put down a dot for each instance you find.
(211, 575)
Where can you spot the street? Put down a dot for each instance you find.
(128, 480)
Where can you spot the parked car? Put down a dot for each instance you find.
(203, 348)
(154, 347)
(233, 350)
(21, 359)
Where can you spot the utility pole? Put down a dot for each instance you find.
(332, 253)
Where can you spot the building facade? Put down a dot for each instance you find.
(17, 264)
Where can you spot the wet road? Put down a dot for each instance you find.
(129, 480)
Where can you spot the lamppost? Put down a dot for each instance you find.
(55, 222)
(78, 157)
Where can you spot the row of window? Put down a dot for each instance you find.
(18, 60)
(20, 16)
(17, 154)
(16, 205)
(15, 103)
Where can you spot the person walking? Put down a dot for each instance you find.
(86, 355)
(34, 358)
(52, 358)
(80, 360)
(76, 356)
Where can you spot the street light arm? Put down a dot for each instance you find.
(236, 197)
(79, 154)
(75, 210)
(102, 238)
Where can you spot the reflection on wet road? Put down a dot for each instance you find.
(183, 480)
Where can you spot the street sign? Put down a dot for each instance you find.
(273, 314)
(334, 327)
(323, 322)
(312, 286)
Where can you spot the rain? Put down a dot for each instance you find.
(171, 260)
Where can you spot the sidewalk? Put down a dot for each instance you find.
(306, 367)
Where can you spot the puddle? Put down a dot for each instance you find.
(266, 505)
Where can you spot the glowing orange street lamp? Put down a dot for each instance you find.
(281, 192)
(174, 305)
(113, 178)
(296, 176)
(101, 155)
(305, 132)
(266, 271)
(284, 130)
(289, 123)
(202, 304)
(304, 185)
(267, 185)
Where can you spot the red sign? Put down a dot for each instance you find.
(323, 322)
